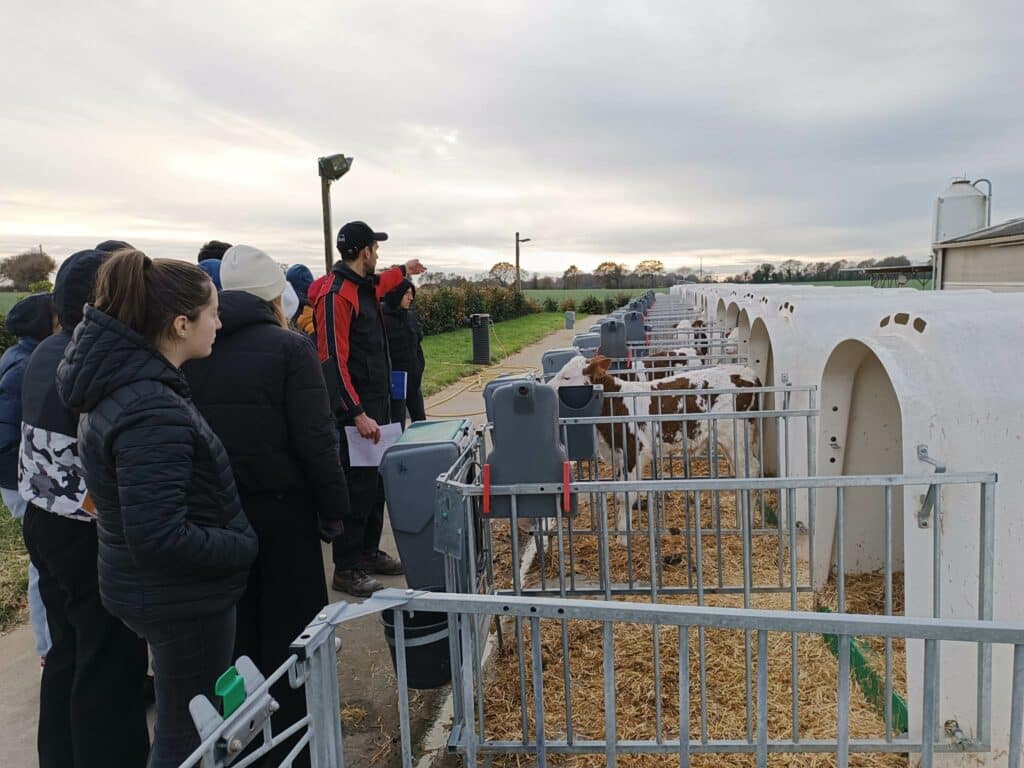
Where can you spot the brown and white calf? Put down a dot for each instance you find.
(628, 444)
(699, 338)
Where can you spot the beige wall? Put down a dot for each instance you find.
(989, 267)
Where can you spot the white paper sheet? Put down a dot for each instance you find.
(363, 452)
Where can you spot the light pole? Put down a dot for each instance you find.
(331, 168)
(519, 286)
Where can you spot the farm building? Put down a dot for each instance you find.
(991, 258)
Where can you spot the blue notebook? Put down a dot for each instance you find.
(398, 384)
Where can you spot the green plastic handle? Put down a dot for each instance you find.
(231, 689)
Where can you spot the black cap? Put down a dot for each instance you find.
(355, 236)
(113, 246)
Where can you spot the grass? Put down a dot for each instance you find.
(13, 572)
(581, 293)
(8, 299)
(449, 355)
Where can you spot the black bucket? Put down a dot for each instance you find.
(428, 660)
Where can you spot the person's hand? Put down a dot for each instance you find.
(413, 267)
(330, 530)
(368, 428)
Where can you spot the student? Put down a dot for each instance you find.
(215, 249)
(301, 278)
(404, 337)
(353, 350)
(263, 392)
(32, 319)
(92, 651)
(174, 545)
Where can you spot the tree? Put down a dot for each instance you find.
(610, 272)
(651, 268)
(27, 268)
(503, 272)
(894, 261)
(571, 277)
(763, 274)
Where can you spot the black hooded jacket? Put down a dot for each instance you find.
(404, 335)
(173, 540)
(262, 390)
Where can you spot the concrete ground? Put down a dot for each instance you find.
(368, 691)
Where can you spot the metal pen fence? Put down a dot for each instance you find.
(678, 727)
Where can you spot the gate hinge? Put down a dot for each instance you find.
(930, 499)
(960, 740)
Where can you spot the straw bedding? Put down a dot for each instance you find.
(635, 681)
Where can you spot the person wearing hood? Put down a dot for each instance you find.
(174, 545)
(91, 650)
(31, 320)
(263, 392)
(300, 278)
(404, 337)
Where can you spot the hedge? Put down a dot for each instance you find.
(443, 308)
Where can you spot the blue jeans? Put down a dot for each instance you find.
(188, 656)
(36, 610)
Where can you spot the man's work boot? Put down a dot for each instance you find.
(381, 563)
(355, 582)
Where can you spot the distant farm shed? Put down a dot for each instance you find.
(991, 258)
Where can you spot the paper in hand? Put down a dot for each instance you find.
(363, 452)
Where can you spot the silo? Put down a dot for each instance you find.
(962, 208)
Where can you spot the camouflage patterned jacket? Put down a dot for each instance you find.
(49, 470)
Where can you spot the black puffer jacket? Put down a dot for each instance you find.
(173, 540)
(404, 337)
(262, 390)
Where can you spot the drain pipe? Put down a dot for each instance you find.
(988, 207)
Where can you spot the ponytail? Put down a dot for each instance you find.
(147, 294)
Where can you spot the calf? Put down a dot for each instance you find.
(633, 439)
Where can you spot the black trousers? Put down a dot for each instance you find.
(91, 706)
(285, 591)
(188, 657)
(365, 524)
(414, 400)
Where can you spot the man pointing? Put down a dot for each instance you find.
(352, 345)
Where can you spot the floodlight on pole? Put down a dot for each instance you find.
(331, 168)
(519, 286)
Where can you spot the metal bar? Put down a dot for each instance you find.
(930, 707)
(986, 547)
(403, 688)
(1016, 707)
(843, 703)
(840, 551)
(888, 612)
(470, 743)
(794, 656)
(684, 697)
(538, 692)
(762, 699)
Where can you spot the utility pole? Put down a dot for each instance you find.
(702, 269)
(519, 286)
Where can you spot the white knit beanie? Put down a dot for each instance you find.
(249, 269)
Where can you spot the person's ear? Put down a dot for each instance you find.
(179, 327)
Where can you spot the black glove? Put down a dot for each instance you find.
(331, 530)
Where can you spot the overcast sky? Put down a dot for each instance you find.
(740, 132)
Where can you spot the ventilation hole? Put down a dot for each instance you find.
(902, 318)
(833, 438)
(792, 308)
(920, 325)
(835, 408)
(561, 611)
(885, 321)
(533, 609)
(832, 460)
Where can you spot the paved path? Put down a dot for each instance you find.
(367, 680)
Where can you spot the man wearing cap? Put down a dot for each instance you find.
(352, 345)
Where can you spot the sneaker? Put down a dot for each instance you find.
(355, 582)
(381, 563)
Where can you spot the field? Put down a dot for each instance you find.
(581, 293)
(8, 299)
(13, 571)
(449, 355)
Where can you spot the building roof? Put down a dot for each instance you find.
(1014, 228)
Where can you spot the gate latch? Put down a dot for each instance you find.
(930, 499)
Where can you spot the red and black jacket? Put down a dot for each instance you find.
(350, 336)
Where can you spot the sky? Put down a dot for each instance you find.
(724, 133)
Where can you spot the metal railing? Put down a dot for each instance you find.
(541, 716)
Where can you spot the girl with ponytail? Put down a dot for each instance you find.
(174, 545)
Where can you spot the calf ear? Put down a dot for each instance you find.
(602, 363)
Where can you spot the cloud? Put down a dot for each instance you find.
(736, 132)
